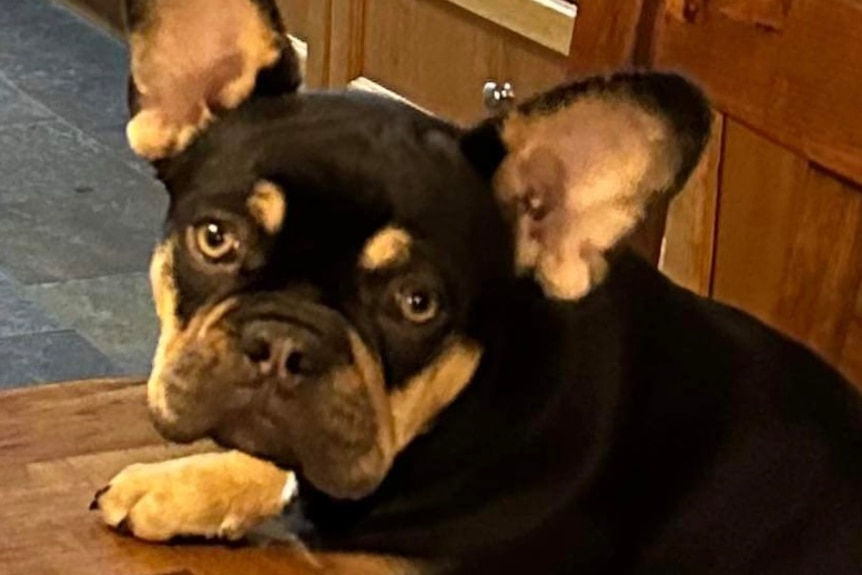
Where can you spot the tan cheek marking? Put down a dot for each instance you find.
(162, 284)
(388, 248)
(174, 340)
(371, 373)
(268, 206)
(165, 298)
(425, 395)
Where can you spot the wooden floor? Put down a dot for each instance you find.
(60, 443)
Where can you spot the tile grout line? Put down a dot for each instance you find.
(59, 118)
(52, 283)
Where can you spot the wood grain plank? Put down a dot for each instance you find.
(70, 439)
(689, 241)
(549, 23)
(346, 35)
(64, 420)
(790, 245)
(605, 36)
(445, 55)
(796, 82)
(768, 14)
(818, 297)
(297, 15)
(308, 21)
(757, 217)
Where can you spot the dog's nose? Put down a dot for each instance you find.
(282, 350)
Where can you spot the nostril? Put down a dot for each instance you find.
(283, 351)
(258, 350)
(296, 363)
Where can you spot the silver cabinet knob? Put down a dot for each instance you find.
(498, 97)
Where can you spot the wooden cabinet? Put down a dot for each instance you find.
(773, 221)
(308, 25)
(437, 54)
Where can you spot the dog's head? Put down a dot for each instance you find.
(333, 262)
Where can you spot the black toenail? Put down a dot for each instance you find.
(94, 504)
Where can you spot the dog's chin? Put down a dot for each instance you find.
(257, 439)
(175, 430)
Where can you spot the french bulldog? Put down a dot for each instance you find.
(433, 342)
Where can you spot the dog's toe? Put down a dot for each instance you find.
(94, 504)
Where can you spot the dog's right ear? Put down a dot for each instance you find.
(194, 59)
(577, 169)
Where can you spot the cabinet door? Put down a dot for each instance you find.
(307, 22)
(438, 54)
(775, 225)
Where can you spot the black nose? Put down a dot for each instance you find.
(283, 350)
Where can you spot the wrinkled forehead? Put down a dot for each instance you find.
(367, 156)
(351, 148)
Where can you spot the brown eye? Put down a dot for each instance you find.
(216, 243)
(417, 305)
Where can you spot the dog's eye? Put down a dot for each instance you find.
(216, 242)
(417, 305)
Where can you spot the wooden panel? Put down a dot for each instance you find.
(788, 70)
(605, 36)
(689, 240)
(439, 56)
(63, 420)
(308, 22)
(347, 25)
(790, 245)
(547, 22)
(299, 17)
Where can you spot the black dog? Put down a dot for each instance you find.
(440, 332)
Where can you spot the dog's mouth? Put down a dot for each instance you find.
(308, 395)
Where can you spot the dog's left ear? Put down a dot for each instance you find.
(576, 169)
(192, 60)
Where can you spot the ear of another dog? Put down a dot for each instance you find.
(194, 59)
(576, 169)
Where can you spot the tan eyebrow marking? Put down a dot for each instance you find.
(268, 206)
(389, 247)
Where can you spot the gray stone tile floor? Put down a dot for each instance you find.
(78, 213)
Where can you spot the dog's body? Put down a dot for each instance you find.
(642, 430)
(439, 330)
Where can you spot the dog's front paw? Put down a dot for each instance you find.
(212, 495)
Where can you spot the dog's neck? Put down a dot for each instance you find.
(493, 457)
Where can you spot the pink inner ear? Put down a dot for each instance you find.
(192, 52)
(582, 178)
(193, 59)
